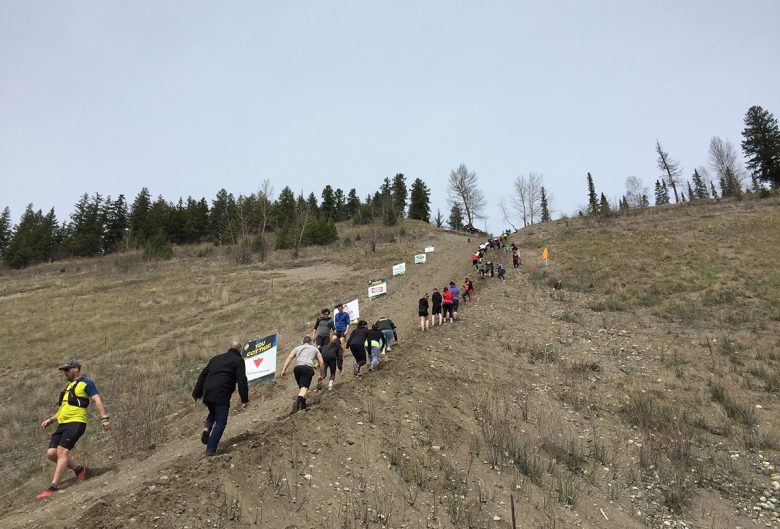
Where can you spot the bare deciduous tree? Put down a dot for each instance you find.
(463, 188)
(635, 189)
(725, 162)
(303, 216)
(504, 209)
(527, 197)
(265, 199)
(671, 169)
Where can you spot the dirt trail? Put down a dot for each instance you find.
(268, 407)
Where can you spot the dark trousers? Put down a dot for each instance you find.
(216, 421)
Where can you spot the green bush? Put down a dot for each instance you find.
(158, 247)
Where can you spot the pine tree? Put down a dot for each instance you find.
(645, 202)
(761, 145)
(328, 208)
(311, 203)
(604, 209)
(712, 190)
(623, 204)
(115, 223)
(593, 201)
(352, 206)
(400, 195)
(455, 221)
(691, 196)
(699, 187)
(222, 218)
(661, 193)
(670, 167)
(545, 209)
(340, 201)
(284, 208)
(139, 213)
(35, 239)
(419, 202)
(5, 231)
(438, 220)
(85, 231)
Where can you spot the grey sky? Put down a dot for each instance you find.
(187, 97)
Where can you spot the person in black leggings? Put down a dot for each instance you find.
(357, 346)
(333, 356)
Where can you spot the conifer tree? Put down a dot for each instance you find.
(139, 213)
(645, 202)
(419, 203)
(455, 221)
(438, 220)
(328, 208)
(5, 231)
(699, 187)
(114, 222)
(338, 197)
(593, 201)
(352, 206)
(604, 209)
(544, 207)
(670, 168)
(691, 196)
(85, 231)
(712, 190)
(284, 208)
(761, 145)
(661, 194)
(400, 195)
(35, 239)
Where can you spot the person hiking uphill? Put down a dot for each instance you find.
(333, 356)
(447, 304)
(341, 321)
(215, 386)
(436, 300)
(422, 310)
(322, 329)
(375, 344)
(304, 356)
(390, 331)
(357, 346)
(71, 418)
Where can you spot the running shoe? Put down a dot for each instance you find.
(330, 386)
(48, 491)
(81, 472)
(356, 370)
(294, 407)
(204, 436)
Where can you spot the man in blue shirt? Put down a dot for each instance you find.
(341, 321)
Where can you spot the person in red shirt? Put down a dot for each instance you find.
(447, 304)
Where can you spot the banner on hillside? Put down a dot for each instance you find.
(260, 358)
(399, 269)
(353, 309)
(419, 258)
(377, 287)
(428, 249)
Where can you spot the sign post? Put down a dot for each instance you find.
(419, 258)
(377, 287)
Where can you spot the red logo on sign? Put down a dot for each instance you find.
(258, 362)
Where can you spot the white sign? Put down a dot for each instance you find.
(260, 358)
(428, 249)
(419, 258)
(399, 269)
(377, 287)
(353, 309)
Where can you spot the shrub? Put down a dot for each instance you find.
(158, 247)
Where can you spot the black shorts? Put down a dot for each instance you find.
(321, 340)
(340, 334)
(67, 434)
(303, 376)
(436, 309)
(448, 309)
(423, 313)
(455, 305)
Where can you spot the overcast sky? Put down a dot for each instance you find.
(187, 97)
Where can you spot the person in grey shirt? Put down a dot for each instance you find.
(304, 356)
(322, 329)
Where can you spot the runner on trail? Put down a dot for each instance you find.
(322, 329)
(489, 269)
(71, 418)
(216, 385)
(305, 355)
(375, 344)
(387, 327)
(500, 271)
(447, 304)
(515, 258)
(357, 346)
(333, 357)
(465, 290)
(436, 301)
(341, 320)
(455, 299)
(422, 310)
(470, 287)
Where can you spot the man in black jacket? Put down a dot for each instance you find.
(216, 385)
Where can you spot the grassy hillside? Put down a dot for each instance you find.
(643, 394)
